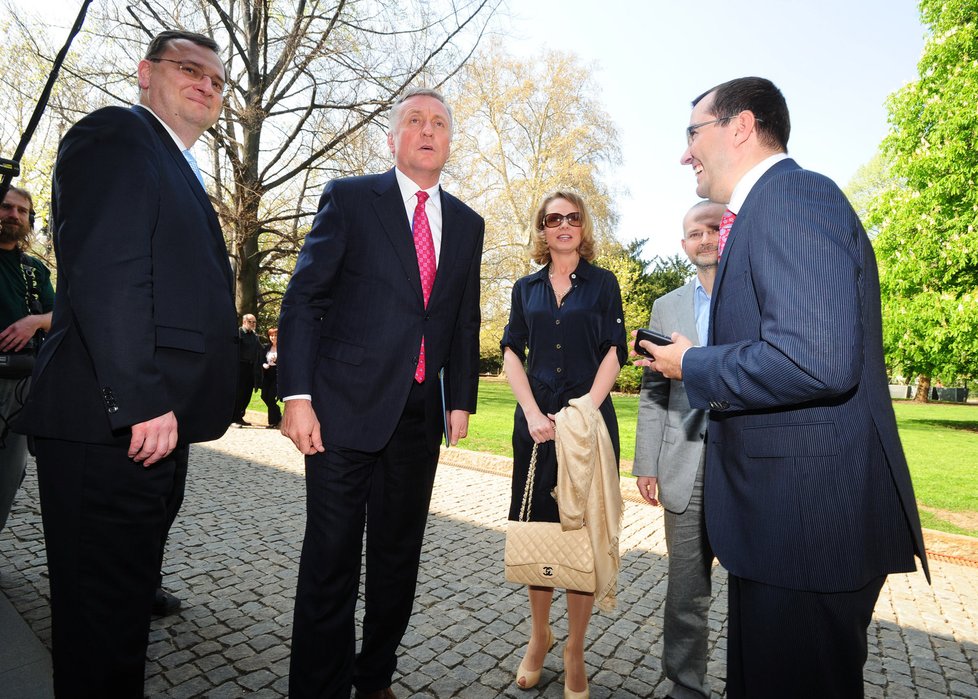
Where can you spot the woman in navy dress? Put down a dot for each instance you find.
(569, 316)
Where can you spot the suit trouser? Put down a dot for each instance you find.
(105, 519)
(243, 389)
(13, 446)
(807, 645)
(269, 394)
(390, 490)
(172, 509)
(688, 593)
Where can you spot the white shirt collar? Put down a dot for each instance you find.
(173, 134)
(750, 178)
(409, 188)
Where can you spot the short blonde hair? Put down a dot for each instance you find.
(539, 252)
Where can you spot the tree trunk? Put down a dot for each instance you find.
(246, 291)
(923, 389)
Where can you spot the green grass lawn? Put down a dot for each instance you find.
(941, 444)
(940, 441)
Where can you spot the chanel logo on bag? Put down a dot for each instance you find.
(548, 571)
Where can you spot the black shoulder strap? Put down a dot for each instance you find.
(32, 292)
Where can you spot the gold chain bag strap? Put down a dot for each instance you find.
(542, 553)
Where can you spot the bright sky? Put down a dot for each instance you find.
(836, 61)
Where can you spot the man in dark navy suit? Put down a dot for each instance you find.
(384, 297)
(140, 361)
(808, 498)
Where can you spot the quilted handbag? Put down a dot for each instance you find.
(543, 554)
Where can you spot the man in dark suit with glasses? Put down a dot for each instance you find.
(140, 361)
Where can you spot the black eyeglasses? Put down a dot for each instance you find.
(194, 72)
(691, 129)
(554, 220)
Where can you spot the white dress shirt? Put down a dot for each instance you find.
(432, 207)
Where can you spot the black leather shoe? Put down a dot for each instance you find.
(379, 694)
(165, 604)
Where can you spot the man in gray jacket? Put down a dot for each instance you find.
(669, 455)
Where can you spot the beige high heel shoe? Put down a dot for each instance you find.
(531, 677)
(570, 693)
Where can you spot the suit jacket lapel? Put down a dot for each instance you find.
(450, 243)
(182, 166)
(742, 217)
(686, 307)
(389, 206)
(180, 163)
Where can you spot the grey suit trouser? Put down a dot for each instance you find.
(688, 593)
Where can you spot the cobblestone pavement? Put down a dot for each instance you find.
(233, 557)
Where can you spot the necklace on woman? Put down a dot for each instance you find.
(559, 294)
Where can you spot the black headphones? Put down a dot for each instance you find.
(31, 215)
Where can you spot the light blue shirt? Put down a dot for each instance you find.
(701, 307)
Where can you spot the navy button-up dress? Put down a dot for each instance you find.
(566, 345)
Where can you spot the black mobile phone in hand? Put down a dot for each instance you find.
(653, 337)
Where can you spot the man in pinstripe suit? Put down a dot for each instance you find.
(808, 498)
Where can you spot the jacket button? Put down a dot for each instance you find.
(112, 409)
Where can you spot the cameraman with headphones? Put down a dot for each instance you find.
(26, 300)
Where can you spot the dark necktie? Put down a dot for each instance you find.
(425, 247)
(726, 223)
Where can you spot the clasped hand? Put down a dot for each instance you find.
(300, 424)
(154, 439)
(16, 335)
(542, 427)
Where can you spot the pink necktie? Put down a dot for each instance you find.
(425, 247)
(726, 223)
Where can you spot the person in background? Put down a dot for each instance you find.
(670, 450)
(26, 300)
(250, 359)
(269, 379)
(569, 316)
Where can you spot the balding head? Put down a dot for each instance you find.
(700, 227)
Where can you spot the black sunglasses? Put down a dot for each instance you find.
(554, 220)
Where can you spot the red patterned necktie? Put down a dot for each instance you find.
(425, 247)
(726, 223)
